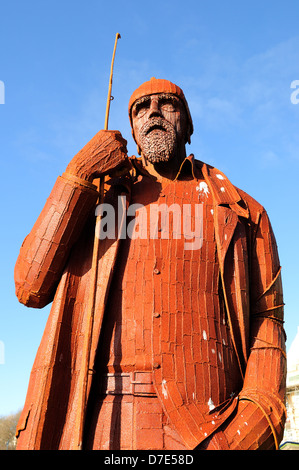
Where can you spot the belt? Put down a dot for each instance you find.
(138, 383)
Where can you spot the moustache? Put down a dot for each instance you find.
(156, 123)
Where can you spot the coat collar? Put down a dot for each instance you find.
(224, 193)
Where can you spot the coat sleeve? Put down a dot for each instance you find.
(45, 250)
(259, 422)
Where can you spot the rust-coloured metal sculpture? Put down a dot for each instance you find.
(191, 353)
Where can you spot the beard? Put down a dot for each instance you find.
(157, 140)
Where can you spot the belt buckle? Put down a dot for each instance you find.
(118, 383)
(137, 383)
(144, 386)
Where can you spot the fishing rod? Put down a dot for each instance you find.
(85, 368)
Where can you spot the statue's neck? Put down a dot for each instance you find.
(169, 169)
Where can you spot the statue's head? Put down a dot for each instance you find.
(160, 119)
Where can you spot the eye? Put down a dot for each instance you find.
(141, 108)
(168, 104)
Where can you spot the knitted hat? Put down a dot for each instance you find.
(155, 86)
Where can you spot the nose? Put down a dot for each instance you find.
(154, 108)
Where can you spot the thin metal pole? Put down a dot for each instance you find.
(84, 371)
(118, 36)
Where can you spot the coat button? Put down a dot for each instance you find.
(156, 314)
(156, 365)
(156, 271)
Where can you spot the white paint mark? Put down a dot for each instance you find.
(213, 351)
(213, 422)
(212, 211)
(211, 404)
(220, 357)
(204, 335)
(164, 389)
(222, 189)
(203, 187)
(220, 177)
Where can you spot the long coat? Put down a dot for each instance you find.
(54, 265)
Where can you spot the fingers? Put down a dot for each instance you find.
(106, 151)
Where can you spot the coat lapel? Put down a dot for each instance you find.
(228, 206)
(225, 222)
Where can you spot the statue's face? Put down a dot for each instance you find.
(159, 125)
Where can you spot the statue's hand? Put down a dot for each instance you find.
(105, 153)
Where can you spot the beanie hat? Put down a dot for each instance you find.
(155, 86)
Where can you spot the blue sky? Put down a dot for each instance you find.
(235, 61)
